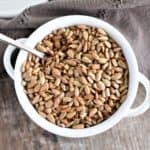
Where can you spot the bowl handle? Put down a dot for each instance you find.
(7, 58)
(146, 103)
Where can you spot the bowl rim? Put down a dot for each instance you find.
(65, 21)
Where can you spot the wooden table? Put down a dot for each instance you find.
(18, 132)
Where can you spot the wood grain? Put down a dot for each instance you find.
(18, 132)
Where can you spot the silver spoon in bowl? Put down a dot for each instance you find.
(20, 45)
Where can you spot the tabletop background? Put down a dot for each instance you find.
(18, 132)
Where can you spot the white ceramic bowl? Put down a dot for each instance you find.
(135, 77)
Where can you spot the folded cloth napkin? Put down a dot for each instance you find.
(130, 17)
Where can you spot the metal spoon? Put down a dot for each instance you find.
(20, 45)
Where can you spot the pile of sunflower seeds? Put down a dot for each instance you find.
(82, 81)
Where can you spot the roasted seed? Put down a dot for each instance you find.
(48, 110)
(87, 89)
(56, 72)
(71, 53)
(49, 104)
(100, 85)
(86, 60)
(62, 115)
(70, 115)
(67, 99)
(57, 81)
(83, 80)
(107, 107)
(50, 118)
(98, 102)
(42, 114)
(107, 82)
(78, 126)
(103, 38)
(108, 44)
(102, 60)
(101, 31)
(91, 75)
(98, 75)
(107, 92)
(71, 62)
(44, 87)
(85, 35)
(96, 66)
(116, 76)
(114, 62)
(92, 112)
(76, 92)
(122, 64)
(80, 100)
(57, 101)
(36, 99)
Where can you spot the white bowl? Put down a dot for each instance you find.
(135, 77)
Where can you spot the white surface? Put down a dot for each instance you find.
(10, 8)
(134, 78)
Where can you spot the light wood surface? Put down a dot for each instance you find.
(18, 132)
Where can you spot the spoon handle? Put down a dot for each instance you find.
(17, 44)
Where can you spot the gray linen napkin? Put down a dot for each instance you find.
(130, 17)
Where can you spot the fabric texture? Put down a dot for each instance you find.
(130, 17)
